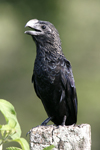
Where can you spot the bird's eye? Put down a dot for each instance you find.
(43, 27)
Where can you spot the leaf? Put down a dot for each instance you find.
(24, 144)
(11, 125)
(49, 147)
(13, 148)
(12, 129)
(1, 147)
(9, 113)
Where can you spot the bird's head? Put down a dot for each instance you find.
(43, 32)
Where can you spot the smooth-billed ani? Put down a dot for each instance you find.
(52, 75)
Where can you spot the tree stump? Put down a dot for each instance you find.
(72, 137)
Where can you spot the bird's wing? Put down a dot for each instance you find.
(68, 83)
(35, 85)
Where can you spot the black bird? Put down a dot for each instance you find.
(52, 75)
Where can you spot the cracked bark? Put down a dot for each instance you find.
(62, 137)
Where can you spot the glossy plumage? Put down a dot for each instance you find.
(52, 75)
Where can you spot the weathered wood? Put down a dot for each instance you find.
(62, 137)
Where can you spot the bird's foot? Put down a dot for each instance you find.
(31, 130)
(28, 132)
(44, 123)
(73, 125)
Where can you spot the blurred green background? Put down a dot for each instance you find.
(78, 23)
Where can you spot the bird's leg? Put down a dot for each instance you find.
(42, 124)
(64, 120)
(46, 121)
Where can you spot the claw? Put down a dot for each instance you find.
(28, 132)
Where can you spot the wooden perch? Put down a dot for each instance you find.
(62, 137)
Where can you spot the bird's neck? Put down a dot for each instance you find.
(49, 51)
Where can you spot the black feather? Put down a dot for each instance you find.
(52, 75)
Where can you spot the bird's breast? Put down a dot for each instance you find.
(46, 72)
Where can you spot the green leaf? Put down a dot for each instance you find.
(13, 148)
(49, 147)
(9, 113)
(1, 147)
(11, 131)
(24, 144)
(10, 124)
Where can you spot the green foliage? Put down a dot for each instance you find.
(11, 131)
(78, 23)
(13, 148)
(49, 147)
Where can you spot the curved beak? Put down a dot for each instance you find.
(33, 24)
